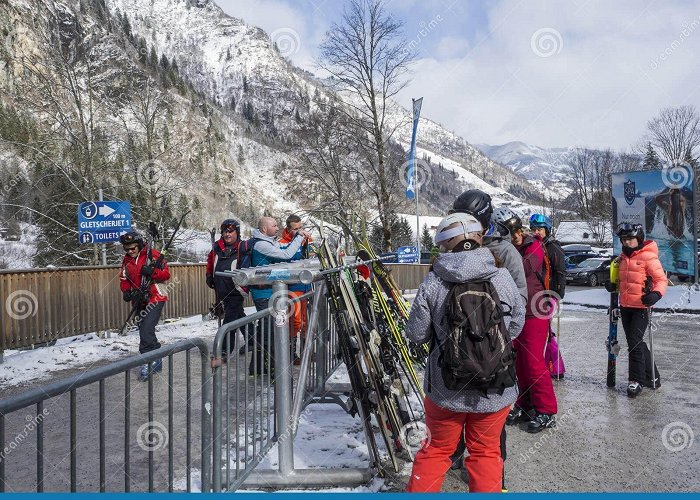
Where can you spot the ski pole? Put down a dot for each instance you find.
(651, 350)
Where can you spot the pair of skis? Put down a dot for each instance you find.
(376, 390)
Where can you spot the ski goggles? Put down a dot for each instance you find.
(627, 227)
(129, 238)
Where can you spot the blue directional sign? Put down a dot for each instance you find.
(407, 255)
(103, 221)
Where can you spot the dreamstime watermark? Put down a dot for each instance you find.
(152, 436)
(286, 40)
(32, 422)
(546, 304)
(162, 290)
(677, 436)
(21, 304)
(423, 32)
(546, 42)
(677, 174)
(414, 436)
(422, 173)
(11, 183)
(546, 435)
(151, 173)
(685, 33)
(282, 306)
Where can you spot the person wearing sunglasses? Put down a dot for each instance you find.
(223, 257)
(642, 284)
(137, 268)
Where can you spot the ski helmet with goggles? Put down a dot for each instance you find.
(625, 230)
(230, 224)
(541, 220)
(476, 203)
(464, 225)
(506, 220)
(132, 237)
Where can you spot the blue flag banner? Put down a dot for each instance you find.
(411, 176)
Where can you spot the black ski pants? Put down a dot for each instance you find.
(233, 310)
(148, 319)
(635, 322)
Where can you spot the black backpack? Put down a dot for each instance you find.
(245, 253)
(478, 352)
(557, 267)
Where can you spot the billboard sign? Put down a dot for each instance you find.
(663, 205)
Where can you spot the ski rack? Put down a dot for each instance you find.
(287, 407)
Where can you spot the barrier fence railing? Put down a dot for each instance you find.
(43, 305)
(98, 450)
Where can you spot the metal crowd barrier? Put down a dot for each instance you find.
(113, 413)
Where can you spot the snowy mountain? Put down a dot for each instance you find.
(541, 166)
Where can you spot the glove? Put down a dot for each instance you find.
(128, 295)
(147, 270)
(651, 298)
(610, 286)
(210, 281)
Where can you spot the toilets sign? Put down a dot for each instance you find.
(103, 221)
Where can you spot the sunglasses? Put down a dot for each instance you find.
(130, 248)
(229, 230)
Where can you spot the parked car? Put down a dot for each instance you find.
(576, 248)
(573, 260)
(591, 272)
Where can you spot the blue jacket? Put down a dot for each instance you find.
(267, 251)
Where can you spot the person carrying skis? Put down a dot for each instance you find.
(454, 406)
(297, 324)
(536, 401)
(223, 257)
(138, 267)
(266, 250)
(541, 225)
(642, 284)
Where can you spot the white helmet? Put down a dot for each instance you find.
(467, 224)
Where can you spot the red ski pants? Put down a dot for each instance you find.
(482, 437)
(534, 381)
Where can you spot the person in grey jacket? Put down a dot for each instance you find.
(447, 412)
(504, 250)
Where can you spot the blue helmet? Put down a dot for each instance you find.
(540, 220)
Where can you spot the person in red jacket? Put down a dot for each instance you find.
(536, 402)
(223, 257)
(138, 267)
(642, 284)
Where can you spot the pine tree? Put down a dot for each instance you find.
(164, 63)
(651, 159)
(153, 57)
(426, 240)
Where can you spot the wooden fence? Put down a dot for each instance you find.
(43, 305)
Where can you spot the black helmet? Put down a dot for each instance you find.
(132, 237)
(230, 224)
(625, 230)
(476, 203)
(506, 220)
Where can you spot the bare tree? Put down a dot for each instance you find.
(327, 165)
(368, 56)
(676, 133)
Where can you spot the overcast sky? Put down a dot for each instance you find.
(549, 73)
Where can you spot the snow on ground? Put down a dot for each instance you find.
(677, 298)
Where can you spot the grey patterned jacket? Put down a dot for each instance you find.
(429, 307)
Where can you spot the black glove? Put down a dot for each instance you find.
(610, 286)
(210, 281)
(128, 295)
(651, 298)
(147, 270)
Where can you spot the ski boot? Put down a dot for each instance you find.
(150, 368)
(517, 415)
(541, 422)
(634, 389)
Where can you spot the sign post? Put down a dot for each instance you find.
(408, 255)
(103, 221)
